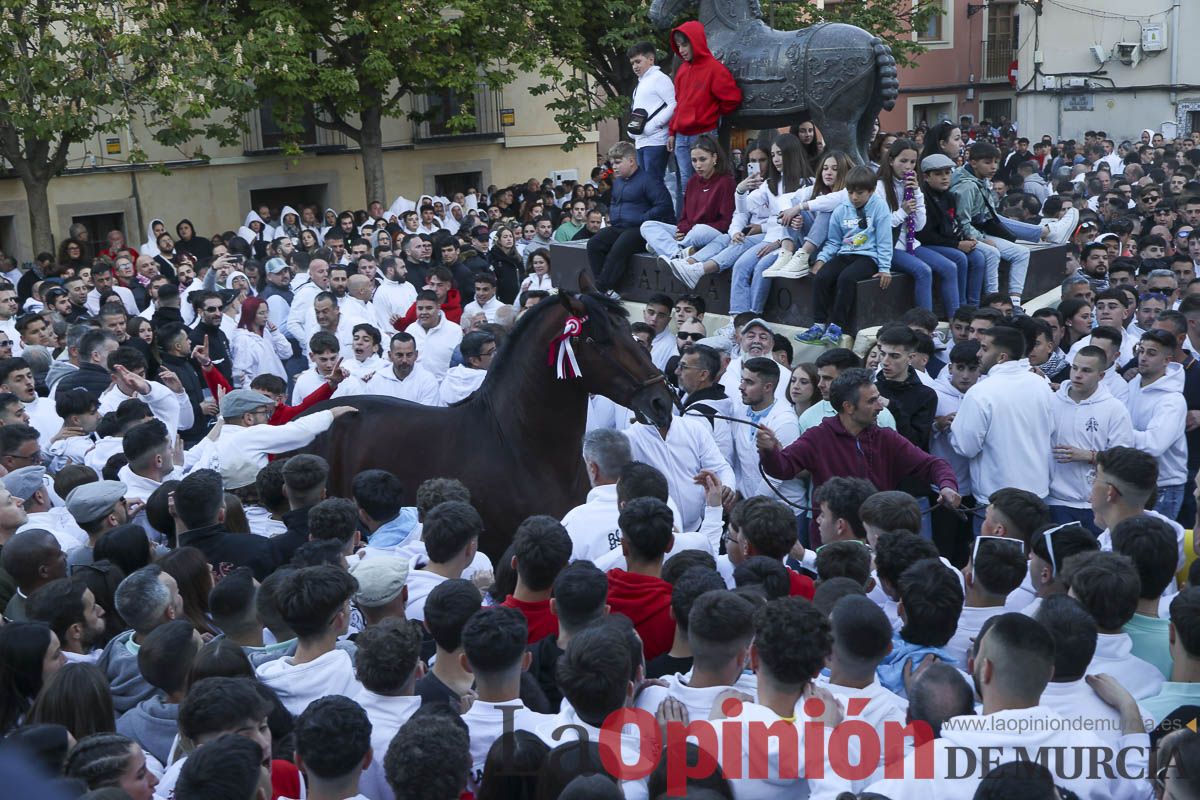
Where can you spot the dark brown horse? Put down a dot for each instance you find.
(517, 441)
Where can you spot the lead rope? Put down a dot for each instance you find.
(767, 478)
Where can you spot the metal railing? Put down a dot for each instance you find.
(997, 56)
(435, 110)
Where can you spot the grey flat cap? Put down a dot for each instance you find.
(91, 501)
(756, 321)
(22, 483)
(242, 401)
(936, 161)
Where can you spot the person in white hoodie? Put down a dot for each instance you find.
(1005, 422)
(395, 295)
(1158, 411)
(654, 96)
(461, 381)
(494, 642)
(720, 629)
(1069, 693)
(1013, 665)
(387, 664)
(1107, 585)
(315, 603)
(952, 385)
(403, 378)
(1087, 420)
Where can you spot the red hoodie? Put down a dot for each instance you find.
(538, 616)
(451, 309)
(646, 600)
(708, 202)
(704, 89)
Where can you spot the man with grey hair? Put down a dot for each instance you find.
(593, 526)
(697, 370)
(67, 361)
(1164, 282)
(1076, 286)
(147, 598)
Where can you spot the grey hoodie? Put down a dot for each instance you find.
(59, 370)
(119, 663)
(153, 724)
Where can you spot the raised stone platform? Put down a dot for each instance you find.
(790, 301)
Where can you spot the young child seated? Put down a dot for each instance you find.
(859, 246)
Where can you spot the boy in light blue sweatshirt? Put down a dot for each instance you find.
(859, 246)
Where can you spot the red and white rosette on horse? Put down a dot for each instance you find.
(562, 354)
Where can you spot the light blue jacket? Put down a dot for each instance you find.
(847, 238)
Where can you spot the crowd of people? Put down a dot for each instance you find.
(975, 539)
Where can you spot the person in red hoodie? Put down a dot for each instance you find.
(441, 280)
(852, 445)
(763, 526)
(541, 548)
(704, 92)
(639, 592)
(707, 206)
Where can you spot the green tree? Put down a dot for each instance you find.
(350, 64)
(590, 79)
(71, 71)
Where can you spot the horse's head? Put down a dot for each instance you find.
(607, 359)
(664, 12)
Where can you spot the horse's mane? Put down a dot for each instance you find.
(598, 325)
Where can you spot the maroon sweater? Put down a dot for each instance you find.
(708, 202)
(880, 455)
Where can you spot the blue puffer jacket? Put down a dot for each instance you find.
(638, 199)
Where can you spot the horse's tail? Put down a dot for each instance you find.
(888, 87)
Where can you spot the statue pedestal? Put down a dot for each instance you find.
(790, 301)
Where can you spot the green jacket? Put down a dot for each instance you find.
(974, 205)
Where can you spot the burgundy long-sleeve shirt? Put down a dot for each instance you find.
(880, 455)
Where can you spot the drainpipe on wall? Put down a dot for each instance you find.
(1175, 42)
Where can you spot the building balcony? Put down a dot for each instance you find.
(263, 136)
(433, 113)
(998, 55)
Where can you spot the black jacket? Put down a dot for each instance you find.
(941, 223)
(194, 386)
(226, 551)
(509, 272)
(92, 377)
(218, 347)
(165, 316)
(914, 406)
(285, 544)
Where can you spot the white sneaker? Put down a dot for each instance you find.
(1060, 230)
(794, 267)
(664, 262)
(688, 272)
(776, 270)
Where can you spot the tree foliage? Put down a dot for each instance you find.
(590, 80)
(70, 71)
(354, 63)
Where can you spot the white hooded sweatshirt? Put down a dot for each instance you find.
(150, 246)
(949, 400)
(459, 383)
(299, 684)
(1159, 416)
(1003, 426)
(1097, 423)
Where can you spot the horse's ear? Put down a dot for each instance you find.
(572, 304)
(586, 285)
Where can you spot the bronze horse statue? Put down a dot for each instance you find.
(517, 442)
(837, 76)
